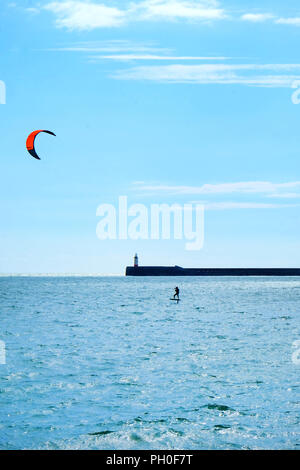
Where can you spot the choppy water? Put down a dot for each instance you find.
(111, 363)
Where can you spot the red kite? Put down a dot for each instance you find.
(30, 142)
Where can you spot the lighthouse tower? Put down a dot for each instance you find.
(135, 261)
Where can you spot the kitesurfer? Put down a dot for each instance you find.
(176, 292)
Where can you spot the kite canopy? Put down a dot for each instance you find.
(30, 142)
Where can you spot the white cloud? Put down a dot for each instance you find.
(245, 205)
(92, 14)
(285, 195)
(112, 46)
(122, 50)
(85, 15)
(178, 9)
(257, 17)
(76, 14)
(128, 57)
(253, 187)
(246, 74)
(291, 21)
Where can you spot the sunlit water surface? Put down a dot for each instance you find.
(112, 363)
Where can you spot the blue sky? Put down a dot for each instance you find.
(162, 101)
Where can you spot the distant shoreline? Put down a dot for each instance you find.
(58, 275)
(98, 275)
(179, 271)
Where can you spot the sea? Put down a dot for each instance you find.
(112, 363)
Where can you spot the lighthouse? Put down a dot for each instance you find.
(135, 261)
